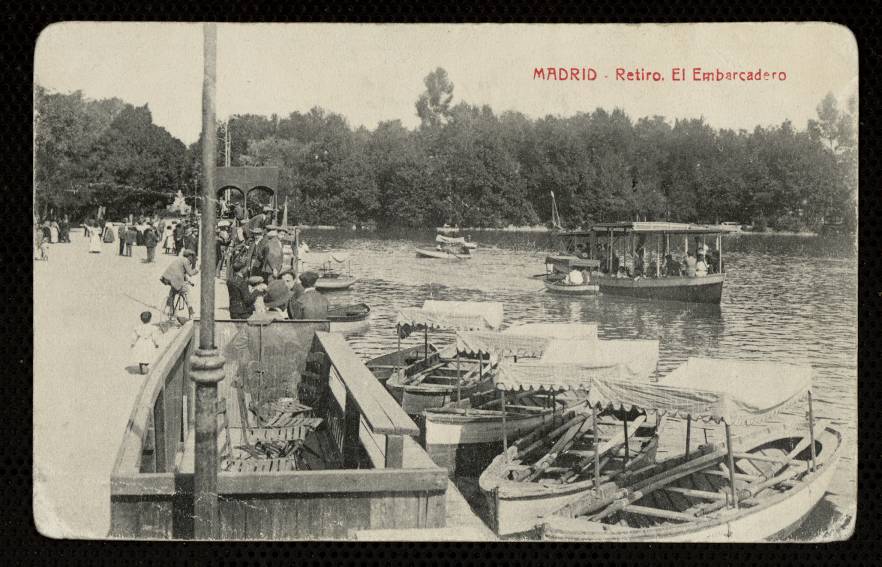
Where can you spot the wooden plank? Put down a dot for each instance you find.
(144, 484)
(125, 517)
(232, 516)
(333, 481)
(374, 402)
(156, 518)
(394, 451)
(380, 511)
(658, 513)
(436, 512)
(159, 433)
(703, 494)
(259, 514)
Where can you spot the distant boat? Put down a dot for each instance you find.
(443, 254)
(349, 313)
(447, 229)
(456, 241)
(563, 288)
(334, 282)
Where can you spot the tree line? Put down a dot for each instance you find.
(467, 165)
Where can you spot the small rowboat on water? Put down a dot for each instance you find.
(445, 253)
(759, 487)
(563, 288)
(334, 282)
(448, 377)
(349, 313)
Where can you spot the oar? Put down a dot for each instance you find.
(562, 445)
(604, 448)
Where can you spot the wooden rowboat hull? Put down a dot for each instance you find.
(772, 516)
(465, 444)
(517, 507)
(707, 289)
(408, 360)
(334, 284)
(440, 254)
(418, 398)
(563, 289)
(349, 313)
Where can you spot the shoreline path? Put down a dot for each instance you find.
(85, 381)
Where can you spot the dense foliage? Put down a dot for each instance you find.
(466, 165)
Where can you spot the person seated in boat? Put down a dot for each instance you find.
(713, 261)
(638, 263)
(616, 264)
(700, 267)
(574, 278)
(689, 264)
(671, 267)
(586, 276)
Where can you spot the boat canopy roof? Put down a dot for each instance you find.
(449, 239)
(529, 340)
(662, 227)
(555, 330)
(573, 261)
(732, 391)
(579, 364)
(456, 315)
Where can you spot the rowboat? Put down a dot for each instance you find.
(553, 465)
(464, 435)
(456, 241)
(447, 229)
(408, 361)
(636, 259)
(443, 254)
(349, 313)
(563, 288)
(449, 376)
(759, 487)
(334, 282)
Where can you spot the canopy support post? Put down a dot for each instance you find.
(731, 466)
(458, 379)
(609, 254)
(504, 432)
(688, 434)
(426, 342)
(658, 257)
(553, 406)
(811, 420)
(596, 446)
(625, 423)
(720, 252)
(398, 336)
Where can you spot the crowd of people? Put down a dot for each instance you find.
(644, 263)
(49, 232)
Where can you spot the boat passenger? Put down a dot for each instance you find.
(586, 276)
(690, 264)
(312, 304)
(638, 263)
(671, 268)
(575, 277)
(241, 295)
(713, 261)
(700, 267)
(276, 299)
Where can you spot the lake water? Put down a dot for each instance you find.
(789, 299)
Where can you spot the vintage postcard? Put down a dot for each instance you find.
(445, 282)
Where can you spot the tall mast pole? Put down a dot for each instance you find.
(207, 365)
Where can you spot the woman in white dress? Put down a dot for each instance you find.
(53, 232)
(168, 240)
(94, 239)
(145, 341)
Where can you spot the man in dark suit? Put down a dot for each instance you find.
(310, 305)
(241, 299)
(257, 253)
(131, 239)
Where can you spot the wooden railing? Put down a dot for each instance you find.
(387, 481)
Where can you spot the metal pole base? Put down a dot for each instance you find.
(206, 370)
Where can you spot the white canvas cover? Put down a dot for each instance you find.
(456, 315)
(500, 344)
(450, 239)
(737, 392)
(555, 330)
(578, 364)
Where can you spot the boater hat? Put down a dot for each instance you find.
(277, 294)
(256, 230)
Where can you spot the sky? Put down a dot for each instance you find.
(370, 73)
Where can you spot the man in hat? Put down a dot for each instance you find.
(276, 300)
(242, 297)
(222, 241)
(257, 252)
(131, 239)
(151, 239)
(175, 276)
(272, 258)
(310, 305)
(292, 283)
(191, 240)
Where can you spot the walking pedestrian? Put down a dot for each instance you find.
(121, 235)
(131, 238)
(150, 241)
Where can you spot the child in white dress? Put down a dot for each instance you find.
(144, 340)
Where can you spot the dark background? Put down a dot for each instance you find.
(23, 545)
